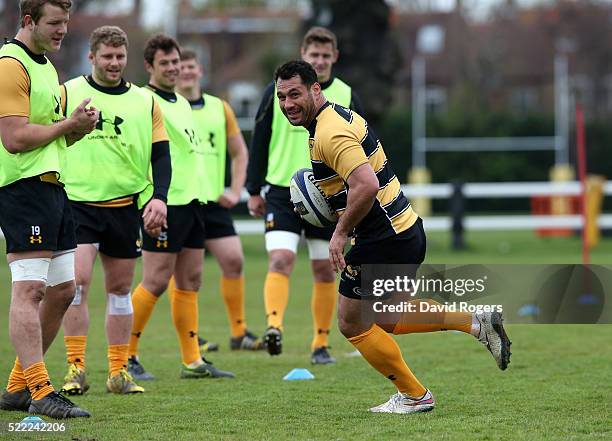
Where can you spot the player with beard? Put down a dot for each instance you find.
(35, 214)
(351, 168)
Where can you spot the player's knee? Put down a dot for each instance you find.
(232, 266)
(194, 281)
(156, 282)
(190, 281)
(119, 304)
(36, 292)
(83, 281)
(352, 328)
(322, 271)
(281, 262)
(118, 287)
(155, 286)
(347, 328)
(32, 292)
(65, 293)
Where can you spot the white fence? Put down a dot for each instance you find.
(483, 190)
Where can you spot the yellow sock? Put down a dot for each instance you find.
(384, 355)
(117, 359)
(276, 297)
(38, 380)
(75, 349)
(233, 296)
(143, 302)
(323, 305)
(170, 289)
(184, 308)
(17, 380)
(426, 321)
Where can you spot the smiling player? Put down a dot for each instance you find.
(107, 173)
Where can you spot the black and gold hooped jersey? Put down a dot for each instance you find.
(340, 141)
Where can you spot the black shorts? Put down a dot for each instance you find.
(281, 217)
(218, 221)
(408, 247)
(36, 216)
(116, 229)
(185, 230)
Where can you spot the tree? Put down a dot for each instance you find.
(369, 54)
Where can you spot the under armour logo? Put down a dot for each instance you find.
(211, 139)
(193, 334)
(35, 239)
(192, 136)
(323, 331)
(116, 123)
(137, 334)
(161, 244)
(392, 377)
(57, 105)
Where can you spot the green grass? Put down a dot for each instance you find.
(559, 385)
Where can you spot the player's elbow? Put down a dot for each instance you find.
(11, 145)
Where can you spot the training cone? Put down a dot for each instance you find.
(299, 374)
(32, 422)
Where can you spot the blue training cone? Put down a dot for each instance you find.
(299, 374)
(34, 422)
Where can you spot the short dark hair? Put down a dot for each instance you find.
(108, 35)
(296, 67)
(33, 8)
(159, 42)
(188, 54)
(319, 34)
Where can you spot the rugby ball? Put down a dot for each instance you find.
(309, 201)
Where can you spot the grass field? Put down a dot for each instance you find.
(559, 385)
